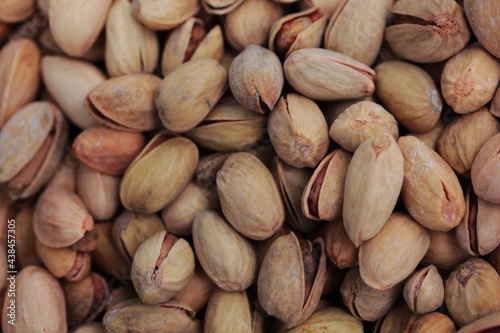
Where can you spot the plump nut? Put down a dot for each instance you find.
(444, 251)
(228, 312)
(484, 170)
(431, 322)
(164, 14)
(486, 324)
(424, 290)
(481, 16)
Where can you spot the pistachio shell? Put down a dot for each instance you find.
(12, 11)
(220, 7)
(481, 17)
(329, 319)
(338, 245)
(164, 14)
(424, 290)
(198, 290)
(483, 325)
(106, 255)
(444, 251)
(228, 312)
(431, 322)
(485, 170)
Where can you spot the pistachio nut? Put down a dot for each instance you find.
(130, 46)
(485, 167)
(19, 76)
(291, 182)
(333, 109)
(470, 79)
(327, 75)
(76, 25)
(13, 11)
(66, 263)
(472, 291)
(65, 175)
(87, 243)
(431, 191)
(431, 322)
(481, 18)
(431, 138)
(69, 81)
(220, 7)
(461, 140)
(323, 196)
(191, 41)
(495, 104)
(158, 174)
(297, 31)
(298, 131)
(228, 258)
(31, 146)
(125, 103)
(249, 196)
(396, 319)
(427, 31)
(327, 7)
(45, 312)
(364, 302)
(207, 169)
(120, 294)
(444, 251)
(107, 150)
(131, 229)
(410, 94)
(60, 218)
(179, 215)
(494, 259)
(384, 262)
(85, 299)
(171, 316)
(486, 324)
(250, 23)
(479, 232)
(361, 121)
(98, 191)
(256, 78)
(183, 106)
(373, 182)
(106, 256)
(197, 291)
(164, 14)
(329, 319)
(229, 127)
(25, 238)
(339, 246)
(291, 279)
(424, 290)
(358, 33)
(162, 266)
(228, 312)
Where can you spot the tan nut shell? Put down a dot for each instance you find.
(13, 11)
(76, 24)
(220, 7)
(158, 174)
(491, 321)
(481, 17)
(424, 290)
(249, 196)
(334, 319)
(485, 170)
(228, 312)
(164, 14)
(391, 256)
(431, 191)
(372, 186)
(187, 94)
(125, 103)
(444, 251)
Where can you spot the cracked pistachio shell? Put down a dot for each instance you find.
(256, 78)
(472, 291)
(393, 254)
(410, 94)
(297, 31)
(249, 196)
(427, 31)
(291, 182)
(486, 324)
(44, 313)
(444, 251)
(228, 312)
(323, 196)
(479, 231)
(461, 140)
(131, 229)
(76, 25)
(134, 316)
(338, 245)
(373, 182)
(60, 218)
(358, 33)
(250, 23)
(220, 7)
(69, 81)
(130, 46)
(327, 75)
(158, 174)
(431, 322)
(164, 14)
(125, 103)
(298, 131)
(431, 191)
(229, 127)
(329, 320)
(40, 131)
(19, 76)
(364, 302)
(291, 279)
(188, 93)
(482, 19)
(470, 79)
(191, 41)
(361, 121)
(228, 258)
(424, 290)
(162, 266)
(485, 171)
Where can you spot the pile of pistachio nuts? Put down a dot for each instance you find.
(250, 166)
